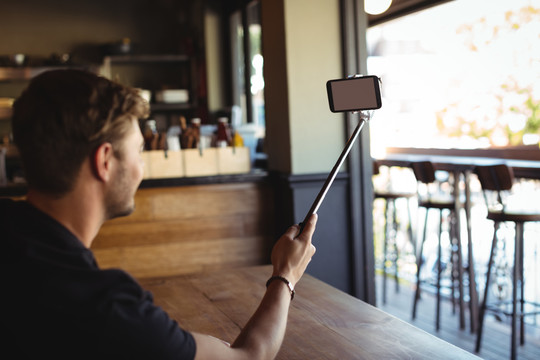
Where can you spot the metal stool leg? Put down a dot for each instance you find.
(419, 267)
(459, 271)
(385, 249)
(394, 238)
(439, 271)
(486, 290)
(517, 252)
(409, 227)
(473, 294)
(454, 262)
(520, 238)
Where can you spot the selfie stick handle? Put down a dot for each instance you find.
(333, 173)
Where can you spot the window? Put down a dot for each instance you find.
(465, 74)
(247, 63)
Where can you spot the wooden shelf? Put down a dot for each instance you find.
(126, 59)
(5, 113)
(28, 72)
(170, 106)
(185, 73)
(20, 73)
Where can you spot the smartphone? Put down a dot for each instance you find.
(354, 94)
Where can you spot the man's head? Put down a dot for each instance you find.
(63, 117)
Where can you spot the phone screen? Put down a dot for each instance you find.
(354, 94)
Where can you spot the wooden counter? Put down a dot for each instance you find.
(191, 228)
(324, 322)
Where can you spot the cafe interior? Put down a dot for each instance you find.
(431, 225)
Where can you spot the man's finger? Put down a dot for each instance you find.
(309, 227)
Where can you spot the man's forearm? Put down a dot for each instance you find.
(263, 334)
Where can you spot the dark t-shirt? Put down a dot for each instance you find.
(57, 303)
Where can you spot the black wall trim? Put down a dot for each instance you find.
(362, 263)
(294, 180)
(294, 196)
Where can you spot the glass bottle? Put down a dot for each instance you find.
(223, 133)
(195, 136)
(150, 134)
(238, 141)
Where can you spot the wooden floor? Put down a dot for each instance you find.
(496, 336)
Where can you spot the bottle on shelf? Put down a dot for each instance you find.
(190, 137)
(224, 138)
(237, 141)
(173, 136)
(150, 135)
(196, 126)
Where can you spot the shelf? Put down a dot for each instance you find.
(132, 69)
(28, 72)
(117, 59)
(20, 73)
(5, 113)
(170, 106)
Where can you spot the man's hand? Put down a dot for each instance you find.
(291, 255)
(262, 336)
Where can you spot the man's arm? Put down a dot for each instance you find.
(262, 336)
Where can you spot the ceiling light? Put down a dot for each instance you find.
(376, 7)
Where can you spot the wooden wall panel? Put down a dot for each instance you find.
(186, 229)
(147, 261)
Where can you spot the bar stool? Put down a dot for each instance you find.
(425, 174)
(391, 227)
(499, 179)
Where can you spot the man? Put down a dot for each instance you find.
(80, 143)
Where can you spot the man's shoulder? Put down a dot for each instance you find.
(10, 208)
(6, 204)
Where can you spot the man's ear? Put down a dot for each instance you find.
(102, 161)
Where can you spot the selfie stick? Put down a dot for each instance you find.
(330, 179)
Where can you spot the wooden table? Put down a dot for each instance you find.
(524, 162)
(324, 322)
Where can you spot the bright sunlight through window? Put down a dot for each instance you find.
(465, 74)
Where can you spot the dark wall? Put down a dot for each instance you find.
(40, 28)
(332, 261)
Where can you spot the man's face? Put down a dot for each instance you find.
(127, 176)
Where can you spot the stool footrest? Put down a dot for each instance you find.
(496, 308)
